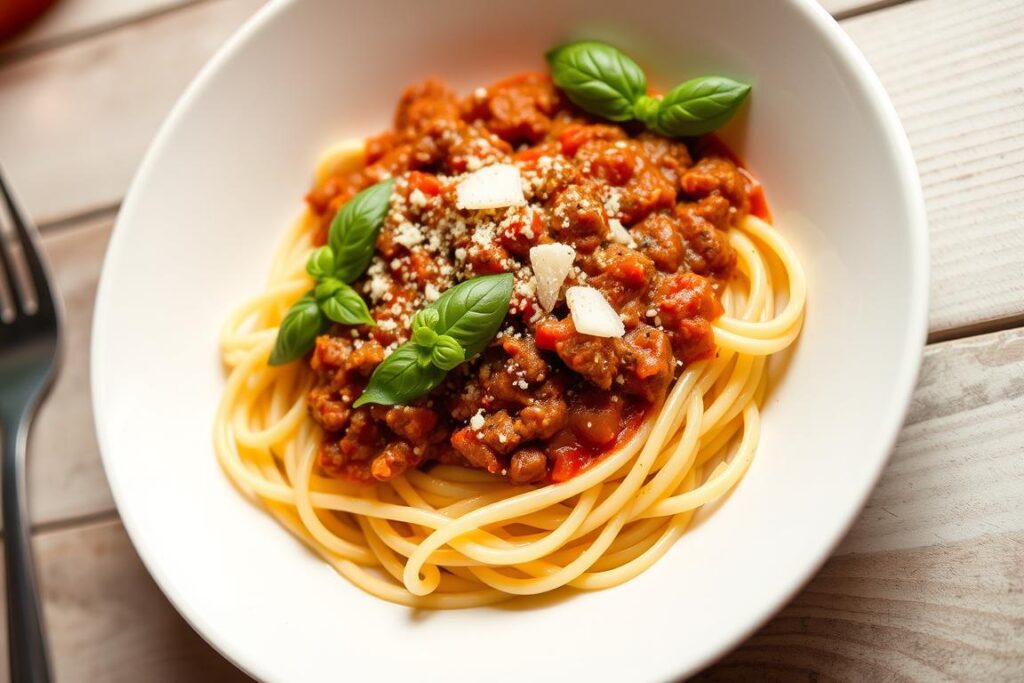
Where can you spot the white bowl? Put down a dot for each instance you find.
(226, 176)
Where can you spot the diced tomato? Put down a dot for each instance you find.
(568, 463)
(425, 183)
(550, 332)
(531, 154)
(572, 138)
(422, 265)
(758, 202)
(630, 272)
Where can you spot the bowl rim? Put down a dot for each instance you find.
(903, 384)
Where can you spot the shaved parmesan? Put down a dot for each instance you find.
(551, 264)
(492, 187)
(592, 314)
(619, 234)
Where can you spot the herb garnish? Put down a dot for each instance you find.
(348, 252)
(602, 80)
(445, 334)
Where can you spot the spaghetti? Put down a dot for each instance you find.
(491, 540)
(455, 537)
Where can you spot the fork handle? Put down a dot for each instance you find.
(29, 659)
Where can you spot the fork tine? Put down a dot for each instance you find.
(27, 235)
(8, 286)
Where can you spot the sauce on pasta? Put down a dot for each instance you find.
(647, 220)
(551, 458)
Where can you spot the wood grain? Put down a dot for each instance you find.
(953, 70)
(929, 583)
(75, 122)
(65, 477)
(68, 20)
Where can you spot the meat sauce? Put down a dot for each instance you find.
(647, 217)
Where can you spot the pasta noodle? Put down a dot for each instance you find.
(452, 537)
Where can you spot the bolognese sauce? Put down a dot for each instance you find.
(646, 216)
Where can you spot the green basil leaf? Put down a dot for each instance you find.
(400, 378)
(327, 288)
(298, 332)
(424, 337)
(699, 106)
(427, 318)
(467, 317)
(472, 311)
(447, 353)
(345, 306)
(354, 230)
(320, 263)
(598, 78)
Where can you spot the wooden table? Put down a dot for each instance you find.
(929, 582)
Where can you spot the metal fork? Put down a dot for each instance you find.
(30, 343)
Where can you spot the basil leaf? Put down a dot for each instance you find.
(424, 337)
(467, 317)
(320, 263)
(400, 378)
(326, 289)
(345, 306)
(298, 332)
(699, 106)
(354, 230)
(472, 311)
(447, 353)
(598, 78)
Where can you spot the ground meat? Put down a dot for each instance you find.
(595, 358)
(412, 423)
(686, 305)
(474, 142)
(542, 401)
(578, 218)
(487, 260)
(498, 433)
(717, 175)
(714, 209)
(500, 381)
(364, 359)
(647, 190)
(574, 136)
(527, 466)
(360, 442)
(476, 453)
(399, 302)
(612, 162)
(647, 363)
(670, 156)
(397, 457)
(517, 109)
(708, 251)
(623, 276)
(425, 104)
(660, 238)
(544, 417)
(525, 357)
(522, 234)
(345, 369)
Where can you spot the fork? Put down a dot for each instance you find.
(30, 343)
